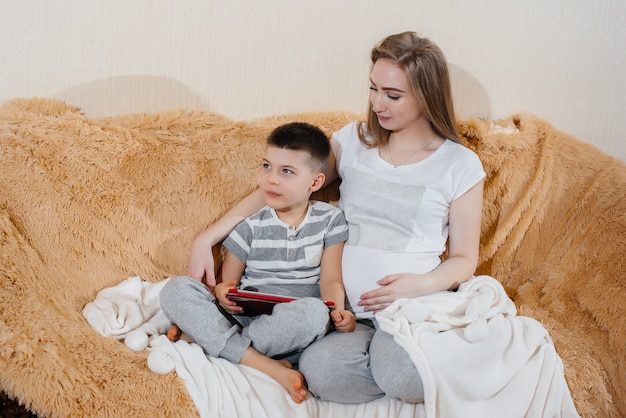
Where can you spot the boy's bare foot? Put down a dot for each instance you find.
(280, 370)
(286, 363)
(298, 390)
(292, 380)
(174, 333)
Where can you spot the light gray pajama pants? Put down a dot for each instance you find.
(360, 366)
(291, 327)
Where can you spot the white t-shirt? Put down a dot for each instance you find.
(397, 217)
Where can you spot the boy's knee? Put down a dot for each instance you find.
(175, 291)
(315, 314)
(170, 287)
(168, 293)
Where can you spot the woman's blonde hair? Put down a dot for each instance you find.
(426, 70)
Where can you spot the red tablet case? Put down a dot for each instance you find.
(256, 303)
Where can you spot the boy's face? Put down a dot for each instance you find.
(287, 178)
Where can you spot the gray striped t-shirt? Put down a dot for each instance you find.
(276, 253)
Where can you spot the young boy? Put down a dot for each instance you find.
(290, 247)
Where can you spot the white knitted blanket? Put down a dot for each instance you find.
(475, 356)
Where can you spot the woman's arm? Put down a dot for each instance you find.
(463, 241)
(201, 261)
(463, 246)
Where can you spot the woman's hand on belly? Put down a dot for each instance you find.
(394, 287)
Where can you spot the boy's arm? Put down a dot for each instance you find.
(331, 287)
(232, 270)
(331, 283)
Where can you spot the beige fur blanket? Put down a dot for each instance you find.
(86, 203)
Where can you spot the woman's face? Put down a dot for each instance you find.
(391, 97)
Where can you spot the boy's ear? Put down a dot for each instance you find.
(318, 182)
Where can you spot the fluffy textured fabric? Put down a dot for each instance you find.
(86, 203)
(476, 357)
(217, 387)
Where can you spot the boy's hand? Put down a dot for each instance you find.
(343, 319)
(221, 291)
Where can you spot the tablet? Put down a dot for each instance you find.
(257, 303)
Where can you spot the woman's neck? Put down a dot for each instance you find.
(412, 137)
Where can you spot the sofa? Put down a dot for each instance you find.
(86, 203)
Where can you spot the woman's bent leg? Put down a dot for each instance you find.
(336, 368)
(393, 370)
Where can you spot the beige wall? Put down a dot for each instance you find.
(563, 60)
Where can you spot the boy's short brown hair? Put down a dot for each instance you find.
(302, 136)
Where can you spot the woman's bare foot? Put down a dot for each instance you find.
(280, 370)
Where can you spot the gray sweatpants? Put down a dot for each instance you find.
(360, 366)
(291, 327)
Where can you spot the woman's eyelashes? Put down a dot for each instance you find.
(389, 95)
